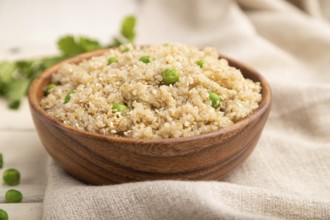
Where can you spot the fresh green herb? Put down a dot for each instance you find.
(145, 59)
(128, 28)
(88, 44)
(70, 46)
(7, 70)
(1, 160)
(119, 107)
(200, 63)
(11, 177)
(112, 60)
(215, 99)
(48, 88)
(15, 77)
(127, 32)
(50, 61)
(67, 97)
(170, 76)
(126, 49)
(17, 89)
(3, 215)
(13, 196)
(115, 42)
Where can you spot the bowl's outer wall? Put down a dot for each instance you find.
(100, 160)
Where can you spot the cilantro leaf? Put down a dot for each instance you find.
(69, 46)
(115, 42)
(25, 68)
(15, 77)
(128, 28)
(7, 70)
(17, 89)
(50, 61)
(88, 44)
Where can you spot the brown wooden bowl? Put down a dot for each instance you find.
(101, 159)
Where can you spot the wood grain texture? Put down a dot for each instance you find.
(100, 159)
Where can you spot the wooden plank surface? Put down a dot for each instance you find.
(23, 210)
(31, 30)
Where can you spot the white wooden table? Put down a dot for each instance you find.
(29, 29)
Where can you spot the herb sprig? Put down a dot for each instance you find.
(15, 77)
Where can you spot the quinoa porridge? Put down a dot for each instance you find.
(159, 91)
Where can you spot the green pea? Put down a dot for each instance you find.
(200, 63)
(215, 99)
(3, 215)
(13, 196)
(1, 160)
(170, 76)
(49, 87)
(119, 107)
(68, 97)
(11, 177)
(112, 59)
(145, 59)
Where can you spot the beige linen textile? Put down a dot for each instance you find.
(287, 176)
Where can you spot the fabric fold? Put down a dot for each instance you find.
(287, 176)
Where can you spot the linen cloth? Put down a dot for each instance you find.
(288, 174)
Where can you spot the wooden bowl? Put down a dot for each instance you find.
(100, 159)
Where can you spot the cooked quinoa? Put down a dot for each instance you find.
(124, 92)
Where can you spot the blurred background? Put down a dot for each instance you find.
(31, 28)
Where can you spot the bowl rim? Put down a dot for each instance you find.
(36, 86)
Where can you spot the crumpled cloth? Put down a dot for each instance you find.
(288, 174)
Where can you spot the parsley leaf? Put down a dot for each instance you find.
(128, 28)
(17, 89)
(88, 44)
(15, 77)
(7, 70)
(69, 46)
